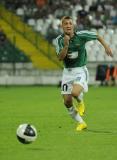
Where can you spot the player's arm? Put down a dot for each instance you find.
(64, 50)
(107, 48)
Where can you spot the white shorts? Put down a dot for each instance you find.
(78, 75)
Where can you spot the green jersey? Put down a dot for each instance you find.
(77, 55)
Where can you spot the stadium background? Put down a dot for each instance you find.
(30, 73)
(28, 29)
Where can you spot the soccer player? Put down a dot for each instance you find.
(70, 48)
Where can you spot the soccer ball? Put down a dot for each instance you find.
(26, 133)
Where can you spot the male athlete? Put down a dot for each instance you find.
(70, 48)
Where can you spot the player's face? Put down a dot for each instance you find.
(68, 26)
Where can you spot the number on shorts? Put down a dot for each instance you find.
(64, 87)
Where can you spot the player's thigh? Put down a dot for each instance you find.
(76, 90)
(67, 100)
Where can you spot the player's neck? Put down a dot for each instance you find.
(71, 34)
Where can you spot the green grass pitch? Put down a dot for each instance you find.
(57, 138)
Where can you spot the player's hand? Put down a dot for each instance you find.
(66, 40)
(109, 51)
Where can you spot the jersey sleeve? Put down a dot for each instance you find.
(87, 35)
(58, 45)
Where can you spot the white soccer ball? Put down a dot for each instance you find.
(26, 133)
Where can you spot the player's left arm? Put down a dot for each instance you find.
(105, 45)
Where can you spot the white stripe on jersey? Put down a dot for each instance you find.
(87, 32)
(57, 45)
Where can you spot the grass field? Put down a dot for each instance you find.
(57, 138)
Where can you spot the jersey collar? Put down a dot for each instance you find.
(72, 37)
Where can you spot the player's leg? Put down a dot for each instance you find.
(68, 102)
(79, 87)
(77, 93)
(74, 113)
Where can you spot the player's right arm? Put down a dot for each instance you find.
(63, 51)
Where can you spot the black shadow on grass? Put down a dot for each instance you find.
(101, 131)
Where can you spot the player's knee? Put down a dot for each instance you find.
(75, 93)
(68, 102)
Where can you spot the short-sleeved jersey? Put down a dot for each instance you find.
(77, 55)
